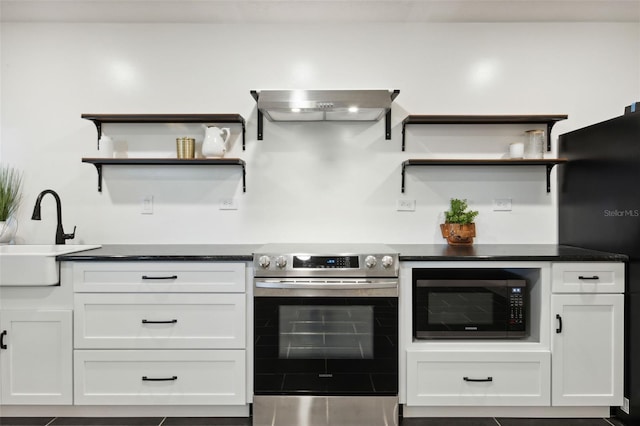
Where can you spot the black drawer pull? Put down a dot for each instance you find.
(167, 277)
(173, 321)
(593, 277)
(159, 379)
(559, 329)
(488, 379)
(2, 344)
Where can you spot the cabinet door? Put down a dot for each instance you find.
(587, 350)
(36, 365)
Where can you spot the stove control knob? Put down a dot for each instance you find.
(387, 262)
(370, 261)
(281, 262)
(264, 262)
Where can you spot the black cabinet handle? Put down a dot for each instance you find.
(593, 277)
(488, 379)
(173, 321)
(159, 379)
(2, 344)
(559, 318)
(167, 277)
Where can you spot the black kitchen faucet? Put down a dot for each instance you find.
(60, 235)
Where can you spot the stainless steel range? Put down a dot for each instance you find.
(326, 335)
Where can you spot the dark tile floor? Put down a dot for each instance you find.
(210, 421)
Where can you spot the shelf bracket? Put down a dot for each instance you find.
(403, 170)
(99, 169)
(549, 127)
(244, 178)
(260, 122)
(387, 124)
(403, 128)
(99, 129)
(244, 131)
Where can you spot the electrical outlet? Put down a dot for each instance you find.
(625, 405)
(228, 204)
(147, 204)
(502, 204)
(403, 205)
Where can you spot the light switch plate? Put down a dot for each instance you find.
(228, 204)
(403, 205)
(502, 204)
(147, 204)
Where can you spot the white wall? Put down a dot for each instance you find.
(305, 182)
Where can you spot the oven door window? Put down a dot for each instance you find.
(317, 331)
(326, 345)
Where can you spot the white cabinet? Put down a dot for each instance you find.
(576, 277)
(478, 378)
(587, 347)
(36, 357)
(160, 320)
(160, 333)
(572, 361)
(156, 277)
(143, 377)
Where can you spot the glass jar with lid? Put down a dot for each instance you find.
(535, 144)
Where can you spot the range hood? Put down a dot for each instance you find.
(324, 105)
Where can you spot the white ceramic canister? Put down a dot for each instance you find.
(516, 150)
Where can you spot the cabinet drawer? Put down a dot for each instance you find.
(582, 277)
(159, 377)
(144, 277)
(159, 320)
(478, 378)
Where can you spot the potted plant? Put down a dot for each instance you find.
(459, 227)
(10, 196)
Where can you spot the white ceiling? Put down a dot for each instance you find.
(319, 11)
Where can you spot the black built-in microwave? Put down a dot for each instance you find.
(469, 303)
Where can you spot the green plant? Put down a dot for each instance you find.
(10, 191)
(457, 213)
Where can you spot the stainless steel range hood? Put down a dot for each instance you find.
(324, 105)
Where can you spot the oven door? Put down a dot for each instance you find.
(325, 338)
(460, 309)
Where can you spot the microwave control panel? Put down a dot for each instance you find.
(516, 309)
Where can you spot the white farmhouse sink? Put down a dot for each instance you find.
(33, 264)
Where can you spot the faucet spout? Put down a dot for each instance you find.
(61, 237)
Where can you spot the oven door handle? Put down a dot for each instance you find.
(323, 285)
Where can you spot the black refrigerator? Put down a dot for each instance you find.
(599, 208)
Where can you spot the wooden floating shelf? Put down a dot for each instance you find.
(549, 120)
(99, 162)
(100, 119)
(549, 163)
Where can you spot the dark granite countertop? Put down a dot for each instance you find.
(166, 252)
(512, 252)
(408, 252)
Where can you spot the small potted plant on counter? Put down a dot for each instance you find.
(459, 227)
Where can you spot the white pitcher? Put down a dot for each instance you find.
(214, 144)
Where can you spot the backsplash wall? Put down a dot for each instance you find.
(305, 181)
